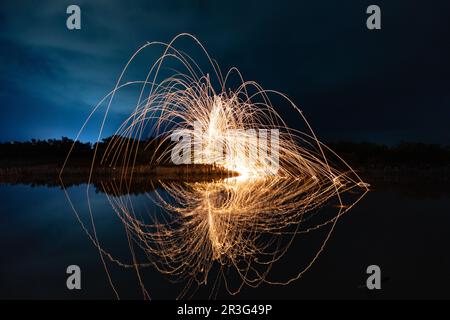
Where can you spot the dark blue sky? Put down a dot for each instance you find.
(353, 84)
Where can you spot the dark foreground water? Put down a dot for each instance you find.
(403, 229)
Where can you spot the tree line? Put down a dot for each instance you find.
(54, 151)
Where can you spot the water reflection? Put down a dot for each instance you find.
(399, 226)
(237, 225)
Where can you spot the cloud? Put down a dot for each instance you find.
(319, 53)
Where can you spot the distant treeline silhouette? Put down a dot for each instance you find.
(54, 151)
(40, 162)
(402, 154)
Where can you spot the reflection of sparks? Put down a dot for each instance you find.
(244, 223)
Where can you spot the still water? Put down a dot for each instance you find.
(403, 229)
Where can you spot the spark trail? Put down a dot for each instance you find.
(241, 225)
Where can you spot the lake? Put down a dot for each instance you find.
(403, 228)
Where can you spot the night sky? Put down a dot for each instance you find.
(384, 86)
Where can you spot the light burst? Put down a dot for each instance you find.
(242, 224)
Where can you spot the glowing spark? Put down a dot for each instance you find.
(245, 223)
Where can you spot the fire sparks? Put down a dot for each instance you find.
(243, 224)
